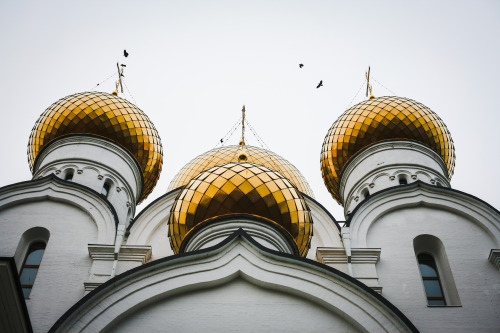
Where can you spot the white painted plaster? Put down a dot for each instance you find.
(94, 162)
(343, 302)
(468, 230)
(380, 165)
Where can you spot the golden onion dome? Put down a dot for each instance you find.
(233, 153)
(104, 115)
(378, 119)
(241, 188)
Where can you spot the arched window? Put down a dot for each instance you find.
(430, 277)
(105, 189)
(30, 267)
(435, 271)
(365, 193)
(402, 180)
(69, 175)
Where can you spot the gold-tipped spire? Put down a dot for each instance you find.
(368, 85)
(242, 141)
(242, 154)
(119, 82)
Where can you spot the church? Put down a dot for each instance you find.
(238, 242)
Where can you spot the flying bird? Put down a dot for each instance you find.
(221, 140)
(301, 65)
(320, 84)
(125, 53)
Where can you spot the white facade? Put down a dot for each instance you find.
(103, 272)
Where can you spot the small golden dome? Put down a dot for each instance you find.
(235, 153)
(107, 116)
(379, 119)
(241, 188)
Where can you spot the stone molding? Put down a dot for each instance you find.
(363, 261)
(53, 188)
(421, 194)
(330, 255)
(140, 253)
(103, 256)
(213, 234)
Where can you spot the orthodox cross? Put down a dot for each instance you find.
(119, 82)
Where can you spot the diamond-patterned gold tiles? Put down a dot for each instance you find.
(229, 154)
(107, 116)
(378, 119)
(241, 188)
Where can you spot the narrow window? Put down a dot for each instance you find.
(30, 267)
(430, 277)
(69, 176)
(105, 189)
(365, 193)
(403, 180)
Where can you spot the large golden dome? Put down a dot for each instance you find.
(378, 119)
(229, 154)
(241, 188)
(104, 115)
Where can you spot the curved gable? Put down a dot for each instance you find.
(416, 195)
(51, 188)
(238, 263)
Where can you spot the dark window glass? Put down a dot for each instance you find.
(432, 288)
(69, 176)
(430, 277)
(26, 292)
(403, 180)
(426, 270)
(30, 267)
(34, 257)
(105, 189)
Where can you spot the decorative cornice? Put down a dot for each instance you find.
(106, 144)
(140, 253)
(388, 145)
(337, 255)
(384, 146)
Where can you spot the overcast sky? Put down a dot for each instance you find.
(193, 64)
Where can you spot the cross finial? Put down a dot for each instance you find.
(368, 85)
(242, 141)
(119, 82)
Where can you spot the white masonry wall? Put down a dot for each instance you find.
(238, 306)
(468, 231)
(66, 262)
(94, 162)
(381, 166)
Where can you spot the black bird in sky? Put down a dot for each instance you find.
(221, 140)
(301, 65)
(125, 53)
(320, 84)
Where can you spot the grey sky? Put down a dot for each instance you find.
(193, 64)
